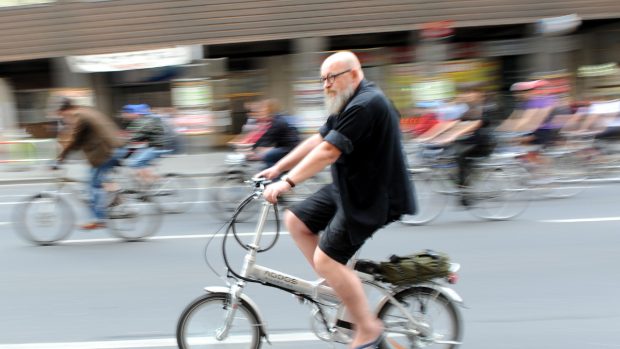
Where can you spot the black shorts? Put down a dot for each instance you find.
(321, 213)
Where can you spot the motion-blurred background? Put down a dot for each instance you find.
(201, 61)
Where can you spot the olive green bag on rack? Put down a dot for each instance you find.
(415, 268)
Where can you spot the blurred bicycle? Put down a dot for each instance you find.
(231, 187)
(48, 217)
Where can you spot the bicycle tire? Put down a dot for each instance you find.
(568, 172)
(52, 214)
(176, 193)
(245, 329)
(226, 194)
(135, 217)
(499, 193)
(427, 306)
(430, 199)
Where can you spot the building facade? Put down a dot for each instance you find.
(244, 49)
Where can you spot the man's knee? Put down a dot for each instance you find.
(323, 263)
(294, 225)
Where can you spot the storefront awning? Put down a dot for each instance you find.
(130, 60)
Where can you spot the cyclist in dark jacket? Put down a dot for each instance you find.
(279, 139)
(149, 130)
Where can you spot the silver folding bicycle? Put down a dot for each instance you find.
(424, 315)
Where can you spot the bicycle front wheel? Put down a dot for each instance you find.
(439, 320)
(203, 324)
(133, 216)
(176, 193)
(44, 219)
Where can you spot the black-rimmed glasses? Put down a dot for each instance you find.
(330, 78)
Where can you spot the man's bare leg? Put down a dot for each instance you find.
(348, 287)
(305, 239)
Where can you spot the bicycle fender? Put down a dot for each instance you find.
(249, 301)
(449, 293)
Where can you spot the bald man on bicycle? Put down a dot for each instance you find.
(371, 188)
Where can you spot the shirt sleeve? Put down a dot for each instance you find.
(350, 128)
(76, 139)
(327, 126)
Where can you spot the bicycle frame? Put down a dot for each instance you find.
(312, 291)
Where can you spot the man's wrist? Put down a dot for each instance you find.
(288, 180)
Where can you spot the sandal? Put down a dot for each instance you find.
(374, 344)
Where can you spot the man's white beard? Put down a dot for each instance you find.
(334, 104)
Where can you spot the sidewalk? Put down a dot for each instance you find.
(197, 165)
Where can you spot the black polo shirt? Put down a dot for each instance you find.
(371, 174)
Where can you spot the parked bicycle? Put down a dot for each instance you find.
(48, 217)
(424, 315)
(497, 189)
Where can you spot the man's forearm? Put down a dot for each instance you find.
(320, 157)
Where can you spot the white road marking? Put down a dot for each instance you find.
(205, 236)
(152, 343)
(582, 220)
(168, 237)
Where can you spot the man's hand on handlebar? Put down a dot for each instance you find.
(276, 189)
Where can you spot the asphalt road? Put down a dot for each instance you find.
(548, 279)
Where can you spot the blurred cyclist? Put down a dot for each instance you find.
(148, 136)
(279, 138)
(97, 136)
(469, 135)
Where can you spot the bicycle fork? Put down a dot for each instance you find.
(233, 304)
(235, 292)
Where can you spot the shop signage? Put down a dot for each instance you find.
(192, 93)
(586, 71)
(11, 3)
(558, 25)
(130, 60)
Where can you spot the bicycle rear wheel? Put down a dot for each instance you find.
(439, 318)
(498, 193)
(44, 219)
(133, 216)
(203, 321)
(431, 199)
(176, 193)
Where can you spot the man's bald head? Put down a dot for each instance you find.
(341, 61)
(341, 74)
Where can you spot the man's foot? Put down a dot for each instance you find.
(370, 338)
(93, 225)
(373, 344)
